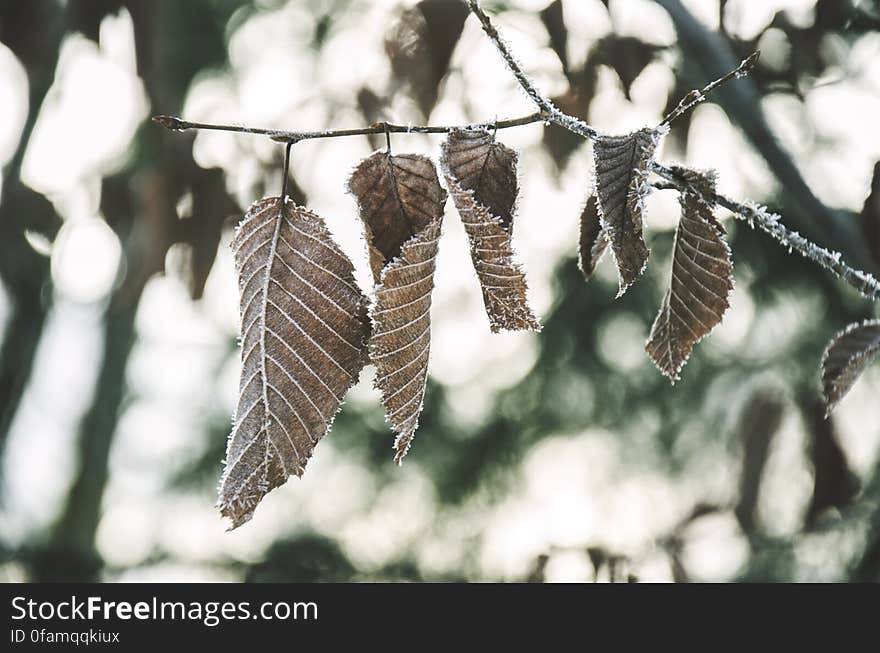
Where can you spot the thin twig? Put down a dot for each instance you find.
(771, 223)
(540, 101)
(178, 124)
(693, 98)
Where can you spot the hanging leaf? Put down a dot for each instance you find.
(622, 164)
(846, 357)
(593, 242)
(303, 344)
(481, 173)
(401, 204)
(702, 278)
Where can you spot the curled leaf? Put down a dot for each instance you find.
(846, 357)
(622, 164)
(702, 278)
(401, 204)
(303, 344)
(593, 242)
(481, 173)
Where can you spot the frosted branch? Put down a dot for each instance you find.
(754, 215)
(758, 217)
(548, 110)
(179, 124)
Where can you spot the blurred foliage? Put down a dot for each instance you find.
(724, 400)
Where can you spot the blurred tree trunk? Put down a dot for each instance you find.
(140, 205)
(70, 552)
(24, 272)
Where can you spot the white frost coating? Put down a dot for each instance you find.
(624, 225)
(758, 216)
(552, 113)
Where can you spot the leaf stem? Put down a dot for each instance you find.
(286, 177)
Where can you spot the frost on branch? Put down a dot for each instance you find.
(401, 204)
(592, 243)
(702, 278)
(846, 357)
(622, 164)
(303, 344)
(481, 174)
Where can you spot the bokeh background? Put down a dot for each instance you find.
(560, 456)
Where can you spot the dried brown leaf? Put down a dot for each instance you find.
(622, 164)
(401, 204)
(553, 18)
(592, 243)
(702, 278)
(846, 357)
(303, 344)
(481, 173)
(420, 46)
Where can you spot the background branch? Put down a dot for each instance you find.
(24, 273)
